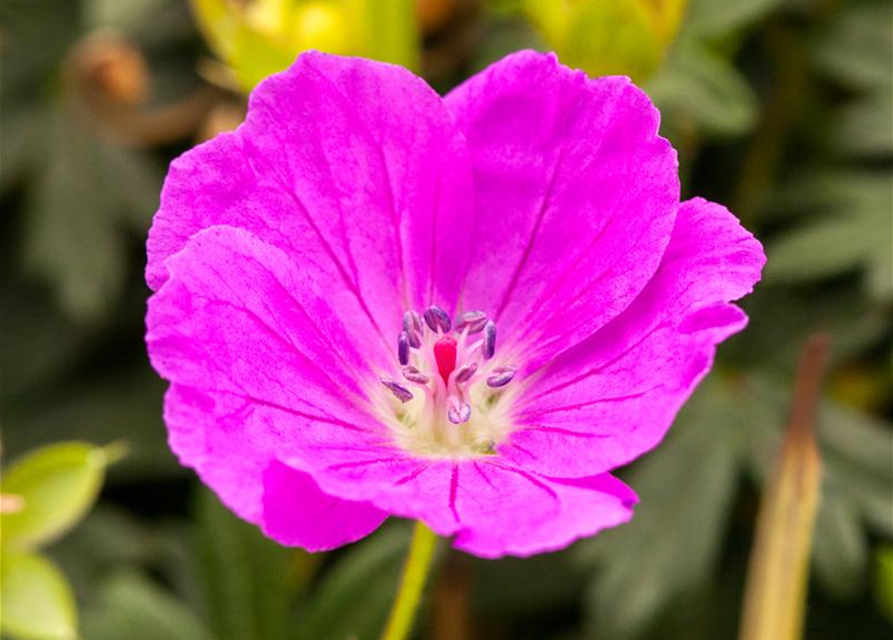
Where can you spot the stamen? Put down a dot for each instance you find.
(412, 374)
(437, 319)
(403, 348)
(465, 372)
(502, 376)
(473, 321)
(459, 412)
(489, 346)
(400, 392)
(412, 325)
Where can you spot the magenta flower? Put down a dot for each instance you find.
(371, 301)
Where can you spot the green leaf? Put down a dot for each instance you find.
(365, 576)
(136, 609)
(864, 126)
(854, 231)
(38, 340)
(717, 17)
(782, 317)
(840, 550)
(26, 132)
(248, 580)
(858, 46)
(856, 450)
(699, 89)
(87, 195)
(59, 483)
(109, 538)
(686, 489)
(35, 598)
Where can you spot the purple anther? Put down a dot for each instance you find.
(411, 320)
(489, 346)
(459, 412)
(437, 319)
(464, 373)
(403, 348)
(472, 321)
(412, 374)
(412, 325)
(400, 392)
(502, 376)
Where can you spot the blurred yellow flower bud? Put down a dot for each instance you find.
(605, 37)
(318, 25)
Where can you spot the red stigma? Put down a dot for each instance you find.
(445, 354)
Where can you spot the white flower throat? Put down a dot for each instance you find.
(449, 397)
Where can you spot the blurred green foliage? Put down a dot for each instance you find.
(780, 109)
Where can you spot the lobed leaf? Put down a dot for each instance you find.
(686, 489)
(857, 46)
(698, 88)
(855, 231)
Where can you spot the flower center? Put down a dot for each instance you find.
(451, 387)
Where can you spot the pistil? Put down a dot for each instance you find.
(445, 356)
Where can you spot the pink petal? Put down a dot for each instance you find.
(298, 513)
(614, 396)
(575, 197)
(510, 511)
(260, 366)
(352, 167)
(492, 507)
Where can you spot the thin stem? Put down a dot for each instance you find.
(415, 574)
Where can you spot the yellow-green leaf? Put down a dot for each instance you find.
(58, 484)
(35, 599)
(384, 30)
(254, 56)
(775, 595)
(218, 21)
